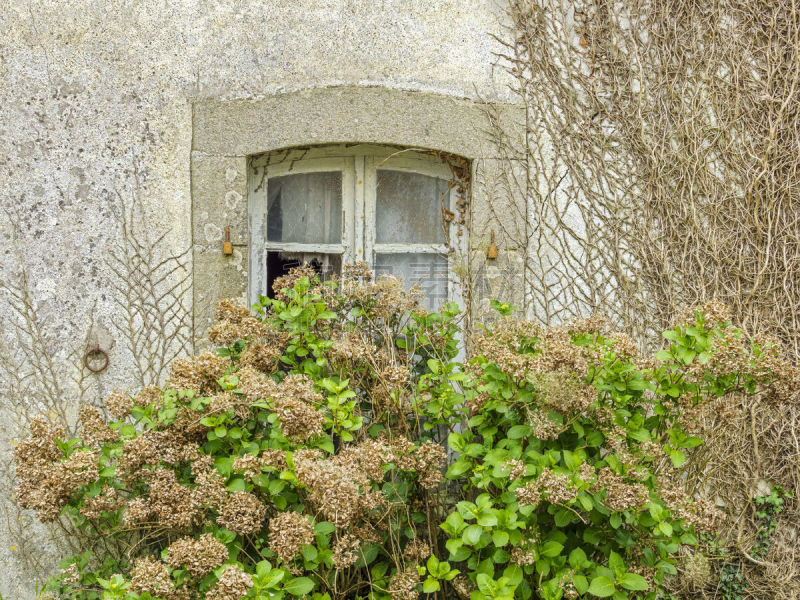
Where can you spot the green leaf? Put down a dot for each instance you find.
(323, 527)
(616, 563)
(518, 431)
(433, 565)
(563, 518)
(577, 558)
(581, 584)
(472, 534)
(677, 457)
(663, 356)
(632, 581)
(499, 538)
(602, 587)
(262, 568)
(487, 519)
(368, 554)
(458, 468)
(551, 549)
(299, 586)
(309, 553)
(456, 442)
(485, 584)
(430, 586)
(237, 485)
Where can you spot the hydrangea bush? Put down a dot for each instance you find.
(305, 456)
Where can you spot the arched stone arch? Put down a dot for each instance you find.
(225, 133)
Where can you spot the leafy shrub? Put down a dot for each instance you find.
(304, 457)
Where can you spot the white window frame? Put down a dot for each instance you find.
(359, 165)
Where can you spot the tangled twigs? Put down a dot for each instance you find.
(659, 168)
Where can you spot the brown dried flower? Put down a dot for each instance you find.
(299, 421)
(288, 532)
(149, 575)
(94, 430)
(107, 501)
(232, 584)
(416, 551)
(149, 394)
(119, 404)
(345, 551)
(260, 356)
(403, 584)
(242, 513)
(199, 373)
(198, 556)
(518, 469)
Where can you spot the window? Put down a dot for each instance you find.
(330, 206)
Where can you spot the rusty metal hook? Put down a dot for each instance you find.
(95, 351)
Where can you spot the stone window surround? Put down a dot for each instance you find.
(227, 132)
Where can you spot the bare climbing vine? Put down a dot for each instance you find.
(43, 374)
(655, 165)
(152, 293)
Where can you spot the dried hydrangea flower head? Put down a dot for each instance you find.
(288, 532)
(333, 487)
(233, 584)
(242, 513)
(199, 373)
(621, 496)
(94, 429)
(290, 280)
(517, 469)
(198, 556)
(119, 404)
(417, 551)
(403, 584)
(299, 421)
(716, 313)
(430, 458)
(150, 576)
(173, 504)
(234, 322)
(346, 551)
(107, 501)
(356, 271)
(261, 356)
(563, 392)
(148, 395)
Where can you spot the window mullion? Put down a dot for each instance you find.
(358, 210)
(370, 192)
(350, 192)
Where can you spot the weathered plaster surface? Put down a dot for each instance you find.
(96, 106)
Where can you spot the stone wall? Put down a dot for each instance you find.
(116, 117)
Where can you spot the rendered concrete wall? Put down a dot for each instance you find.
(113, 115)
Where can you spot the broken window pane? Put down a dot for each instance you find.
(429, 271)
(280, 263)
(409, 208)
(305, 208)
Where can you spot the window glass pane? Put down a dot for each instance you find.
(429, 271)
(409, 208)
(305, 208)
